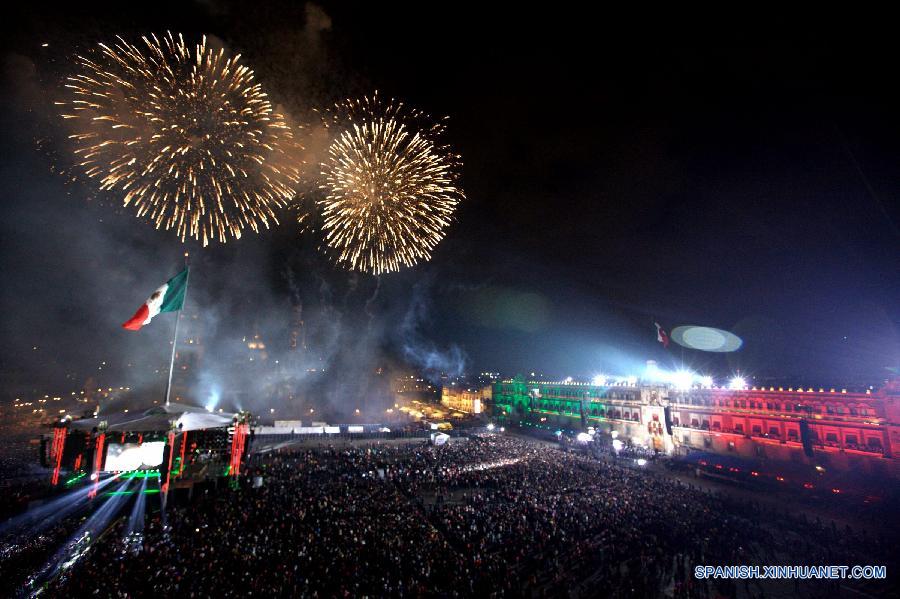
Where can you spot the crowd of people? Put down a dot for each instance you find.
(486, 516)
(21, 476)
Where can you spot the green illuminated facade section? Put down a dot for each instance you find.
(564, 404)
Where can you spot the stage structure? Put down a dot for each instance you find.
(179, 445)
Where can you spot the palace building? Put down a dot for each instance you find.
(829, 428)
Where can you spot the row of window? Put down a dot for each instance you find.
(575, 393)
(778, 406)
(619, 395)
(747, 404)
(851, 441)
(600, 412)
(752, 404)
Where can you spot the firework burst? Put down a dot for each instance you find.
(185, 133)
(390, 189)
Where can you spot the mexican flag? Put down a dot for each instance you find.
(168, 298)
(661, 335)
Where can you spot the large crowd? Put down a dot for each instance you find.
(485, 516)
(21, 476)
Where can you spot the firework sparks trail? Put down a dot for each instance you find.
(185, 133)
(390, 189)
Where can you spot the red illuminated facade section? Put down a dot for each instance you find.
(843, 430)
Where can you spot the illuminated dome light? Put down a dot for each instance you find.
(617, 445)
(737, 383)
(706, 339)
(683, 379)
(584, 438)
(599, 380)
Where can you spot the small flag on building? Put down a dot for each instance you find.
(661, 335)
(168, 298)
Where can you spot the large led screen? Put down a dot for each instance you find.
(131, 456)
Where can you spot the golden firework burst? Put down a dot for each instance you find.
(185, 133)
(390, 188)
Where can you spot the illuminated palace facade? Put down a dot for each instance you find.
(467, 400)
(828, 427)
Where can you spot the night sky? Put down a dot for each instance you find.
(737, 171)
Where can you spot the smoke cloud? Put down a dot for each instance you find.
(421, 352)
(268, 322)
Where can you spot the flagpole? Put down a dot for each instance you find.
(175, 336)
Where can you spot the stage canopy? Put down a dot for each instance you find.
(158, 418)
